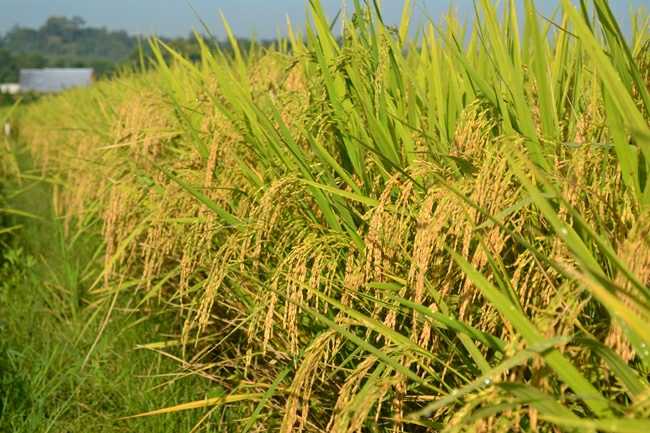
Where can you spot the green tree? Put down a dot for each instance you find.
(8, 67)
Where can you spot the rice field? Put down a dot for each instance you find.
(369, 228)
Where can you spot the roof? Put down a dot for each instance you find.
(10, 88)
(53, 79)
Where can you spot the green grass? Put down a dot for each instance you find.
(54, 375)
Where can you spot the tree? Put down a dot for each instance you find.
(8, 67)
(70, 38)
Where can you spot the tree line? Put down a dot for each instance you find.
(69, 42)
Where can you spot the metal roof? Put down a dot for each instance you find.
(54, 79)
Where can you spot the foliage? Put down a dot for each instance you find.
(8, 67)
(69, 42)
(69, 37)
(372, 233)
(61, 368)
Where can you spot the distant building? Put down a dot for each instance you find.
(9, 88)
(52, 80)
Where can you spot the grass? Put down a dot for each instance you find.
(54, 375)
(367, 232)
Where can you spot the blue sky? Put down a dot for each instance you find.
(175, 17)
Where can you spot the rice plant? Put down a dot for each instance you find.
(370, 231)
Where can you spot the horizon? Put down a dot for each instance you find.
(181, 18)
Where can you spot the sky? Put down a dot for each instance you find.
(264, 18)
